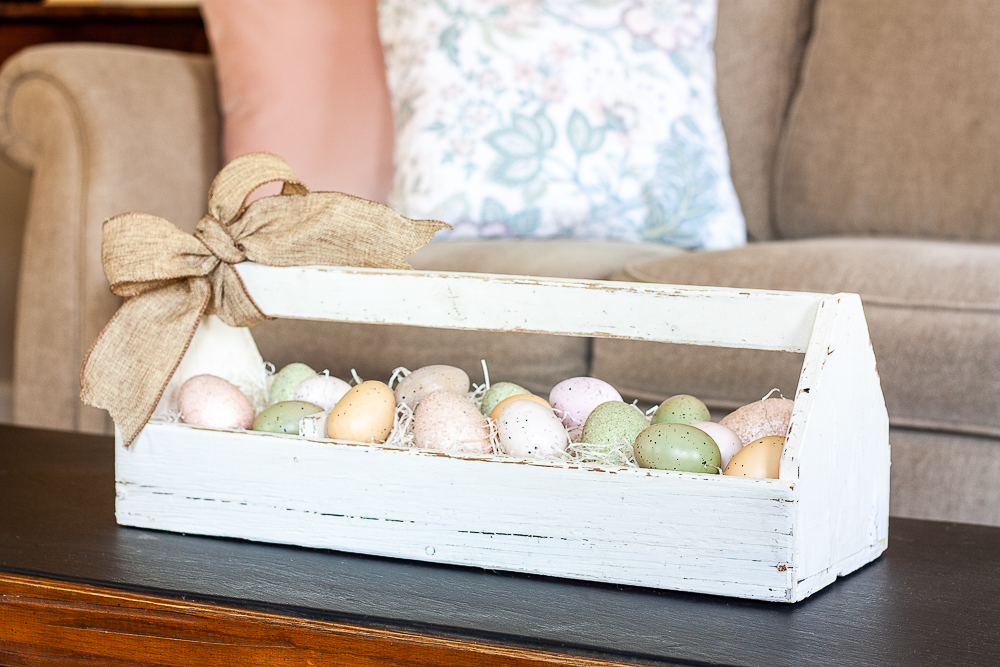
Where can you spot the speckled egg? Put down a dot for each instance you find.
(425, 381)
(530, 429)
(448, 421)
(612, 422)
(364, 414)
(284, 416)
(208, 400)
(502, 405)
(323, 390)
(761, 458)
(574, 399)
(729, 443)
(498, 392)
(760, 418)
(681, 409)
(672, 446)
(286, 380)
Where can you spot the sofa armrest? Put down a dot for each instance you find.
(103, 129)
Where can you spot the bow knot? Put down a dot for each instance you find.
(169, 278)
(216, 238)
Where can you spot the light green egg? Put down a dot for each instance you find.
(286, 380)
(498, 392)
(284, 417)
(681, 447)
(681, 409)
(612, 422)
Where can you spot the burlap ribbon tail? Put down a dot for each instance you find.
(170, 279)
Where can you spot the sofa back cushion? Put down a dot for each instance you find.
(895, 127)
(758, 51)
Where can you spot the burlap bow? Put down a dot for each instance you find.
(170, 278)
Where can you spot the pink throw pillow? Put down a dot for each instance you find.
(305, 79)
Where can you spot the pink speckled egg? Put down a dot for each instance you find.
(760, 419)
(530, 429)
(449, 421)
(729, 443)
(424, 381)
(574, 399)
(208, 400)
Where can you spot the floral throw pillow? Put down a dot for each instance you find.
(560, 118)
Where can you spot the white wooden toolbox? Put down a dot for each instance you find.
(770, 539)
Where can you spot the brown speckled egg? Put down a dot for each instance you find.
(208, 400)
(364, 414)
(760, 419)
(448, 421)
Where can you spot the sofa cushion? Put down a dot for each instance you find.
(895, 127)
(533, 360)
(758, 49)
(933, 310)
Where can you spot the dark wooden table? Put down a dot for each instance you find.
(75, 588)
(25, 24)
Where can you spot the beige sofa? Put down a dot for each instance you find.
(865, 147)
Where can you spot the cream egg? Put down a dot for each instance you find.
(530, 429)
(208, 400)
(425, 381)
(447, 421)
(729, 443)
(322, 390)
(574, 399)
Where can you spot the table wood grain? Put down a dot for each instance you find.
(932, 599)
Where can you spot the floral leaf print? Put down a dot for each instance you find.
(525, 222)
(522, 148)
(449, 42)
(493, 211)
(583, 137)
(682, 193)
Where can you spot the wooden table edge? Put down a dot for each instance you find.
(45, 621)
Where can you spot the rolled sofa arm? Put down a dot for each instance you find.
(104, 129)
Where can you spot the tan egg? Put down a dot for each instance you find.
(759, 459)
(495, 413)
(759, 419)
(425, 381)
(364, 414)
(445, 420)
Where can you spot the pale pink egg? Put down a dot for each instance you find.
(574, 399)
(208, 400)
(449, 421)
(530, 429)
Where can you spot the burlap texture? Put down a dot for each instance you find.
(170, 278)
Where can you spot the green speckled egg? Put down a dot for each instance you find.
(612, 422)
(286, 380)
(677, 447)
(284, 417)
(498, 392)
(681, 409)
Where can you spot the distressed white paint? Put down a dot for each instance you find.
(766, 539)
(755, 319)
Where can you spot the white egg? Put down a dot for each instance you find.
(729, 443)
(530, 429)
(321, 390)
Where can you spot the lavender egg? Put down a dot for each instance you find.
(530, 429)
(208, 400)
(729, 443)
(321, 390)
(574, 399)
